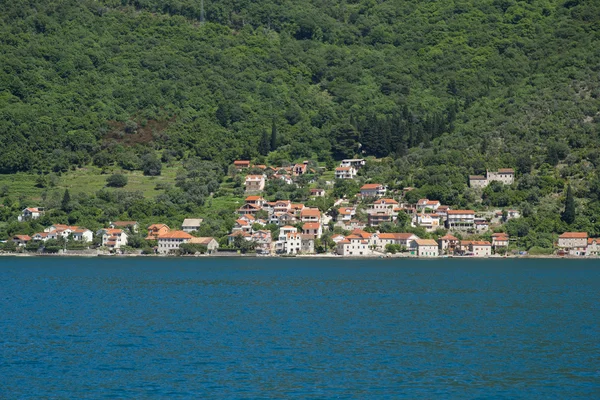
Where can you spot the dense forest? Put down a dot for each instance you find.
(437, 89)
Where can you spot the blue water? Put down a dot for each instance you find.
(294, 328)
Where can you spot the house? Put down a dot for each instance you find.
(481, 224)
(248, 209)
(317, 192)
(171, 241)
(284, 177)
(21, 240)
(506, 176)
(296, 208)
(337, 238)
(242, 225)
(287, 218)
(448, 244)
(256, 201)
(345, 173)
(40, 237)
(593, 247)
(241, 164)
(300, 169)
(354, 245)
(460, 219)
(263, 241)
(426, 205)
(112, 238)
(574, 243)
(346, 213)
(191, 224)
(292, 243)
(500, 240)
(30, 213)
(384, 204)
(155, 230)
(378, 217)
(510, 214)
(476, 248)
(133, 225)
(372, 190)
(245, 235)
(313, 229)
(282, 206)
(381, 240)
(427, 248)
(442, 211)
(310, 215)
(211, 244)
(255, 183)
(430, 222)
(82, 235)
(355, 163)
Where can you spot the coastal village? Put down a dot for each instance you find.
(353, 227)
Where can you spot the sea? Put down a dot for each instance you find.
(299, 328)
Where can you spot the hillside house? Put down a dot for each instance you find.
(255, 183)
(317, 192)
(430, 222)
(381, 240)
(263, 241)
(312, 229)
(132, 225)
(500, 240)
(171, 241)
(310, 215)
(300, 169)
(479, 248)
(460, 219)
(345, 173)
(426, 205)
(82, 235)
(155, 230)
(258, 201)
(241, 164)
(30, 213)
(355, 163)
(191, 224)
(372, 190)
(506, 176)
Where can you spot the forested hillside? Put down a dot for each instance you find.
(437, 90)
(95, 81)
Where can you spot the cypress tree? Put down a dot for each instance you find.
(265, 145)
(273, 136)
(568, 215)
(66, 201)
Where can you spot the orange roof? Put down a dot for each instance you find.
(201, 240)
(370, 186)
(24, 238)
(241, 162)
(455, 212)
(345, 241)
(253, 198)
(311, 225)
(361, 233)
(386, 201)
(157, 226)
(500, 234)
(342, 169)
(175, 235)
(426, 242)
(574, 235)
(111, 231)
(310, 212)
(396, 236)
(254, 177)
(476, 242)
(506, 171)
(449, 237)
(591, 240)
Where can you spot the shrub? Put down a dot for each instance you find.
(116, 180)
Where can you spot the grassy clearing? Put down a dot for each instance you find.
(87, 180)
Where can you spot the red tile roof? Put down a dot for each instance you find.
(175, 235)
(457, 212)
(574, 235)
(371, 186)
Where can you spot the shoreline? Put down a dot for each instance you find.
(301, 256)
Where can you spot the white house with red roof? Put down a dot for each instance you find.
(112, 238)
(345, 173)
(171, 241)
(372, 190)
(30, 213)
(460, 219)
(310, 215)
(313, 229)
(500, 239)
(255, 183)
(575, 243)
(426, 205)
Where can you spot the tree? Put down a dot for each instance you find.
(116, 180)
(151, 165)
(264, 146)
(66, 201)
(568, 214)
(273, 145)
